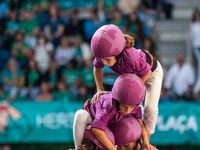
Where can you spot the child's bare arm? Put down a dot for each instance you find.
(145, 137)
(101, 136)
(98, 74)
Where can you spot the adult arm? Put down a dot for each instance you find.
(101, 136)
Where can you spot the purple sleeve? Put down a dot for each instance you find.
(98, 63)
(137, 113)
(101, 119)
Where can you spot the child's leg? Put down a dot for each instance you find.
(81, 119)
(153, 89)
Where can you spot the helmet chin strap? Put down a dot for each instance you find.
(119, 56)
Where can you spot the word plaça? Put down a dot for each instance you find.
(181, 123)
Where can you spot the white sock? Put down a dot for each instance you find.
(81, 119)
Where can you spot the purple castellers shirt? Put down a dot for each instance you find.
(105, 112)
(132, 61)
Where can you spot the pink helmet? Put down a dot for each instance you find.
(128, 89)
(89, 135)
(107, 41)
(126, 130)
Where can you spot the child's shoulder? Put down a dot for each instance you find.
(132, 54)
(107, 100)
(106, 97)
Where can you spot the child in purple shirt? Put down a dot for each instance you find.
(114, 49)
(111, 108)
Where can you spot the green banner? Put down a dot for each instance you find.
(38, 122)
(178, 123)
(51, 122)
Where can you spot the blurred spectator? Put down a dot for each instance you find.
(32, 81)
(167, 7)
(71, 75)
(64, 52)
(45, 94)
(30, 27)
(52, 75)
(62, 93)
(83, 52)
(1, 81)
(109, 77)
(127, 7)
(118, 20)
(107, 5)
(91, 25)
(179, 80)
(149, 12)
(83, 94)
(149, 45)
(2, 26)
(135, 29)
(75, 26)
(43, 52)
(12, 25)
(67, 5)
(54, 27)
(195, 37)
(3, 9)
(4, 55)
(3, 95)
(88, 77)
(87, 4)
(15, 5)
(12, 78)
(42, 15)
(29, 4)
(20, 50)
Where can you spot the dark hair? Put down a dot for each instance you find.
(117, 104)
(88, 145)
(196, 10)
(138, 142)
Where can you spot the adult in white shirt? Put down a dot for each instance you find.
(195, 37)
(179, 79)
(64, 52)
